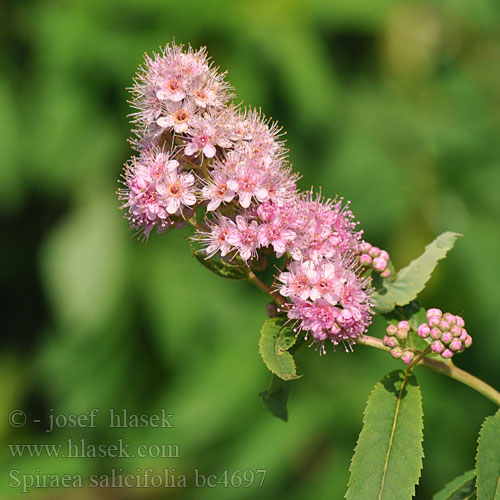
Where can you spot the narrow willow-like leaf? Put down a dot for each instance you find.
(274, 343)
(275, 397)
(460, 488)
(221, 267)
(411, 280)
(388, 457)
(488, 459)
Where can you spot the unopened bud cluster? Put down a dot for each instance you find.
(395, 338)
(371, 257)
(446, 333)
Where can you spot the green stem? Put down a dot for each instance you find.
(446, 369)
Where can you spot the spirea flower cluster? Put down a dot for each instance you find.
(222, 168)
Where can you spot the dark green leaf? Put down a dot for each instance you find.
(461, 488)
(388, 456)
(275, 341)
(488, 459)
(275, 397)
(411, 280)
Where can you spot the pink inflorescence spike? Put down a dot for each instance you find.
(201, 158)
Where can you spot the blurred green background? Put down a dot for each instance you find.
(392, 104)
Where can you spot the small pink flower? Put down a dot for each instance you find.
(202, 140)
(217, 239)
(177, 189)
(328, 282)
(217, 190)
(243, 235)
(245, 181)
(180, 116)
(297, 280)
(275, 234)
(171, 89)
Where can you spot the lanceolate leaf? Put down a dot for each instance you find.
(275, 341)
(461, 488)
(488, 459)
(388, 457)
(411, 280)
(275, 397)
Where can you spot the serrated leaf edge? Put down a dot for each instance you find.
(466, 479)
(282, 353)
(422, 455)
(477, 453)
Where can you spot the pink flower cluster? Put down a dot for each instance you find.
(395, 338)
(447, 333)
(223, 169)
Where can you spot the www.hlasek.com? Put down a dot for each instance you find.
(80, 448)
(141, 478)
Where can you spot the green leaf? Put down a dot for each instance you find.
(388, 456)
(460, 488)
(275, 341)
(275, 397)
(411, 280)
(220, 267)
(488, 459)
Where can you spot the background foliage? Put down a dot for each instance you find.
(393, 105)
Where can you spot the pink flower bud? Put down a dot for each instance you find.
(365, 247)
(468, 341)
(444, 325)
(437, 346)
(402, 334)
(447, 354)
(384, 255)
(391, 330)
(386, 273)
(449, 317)
(457, 331)
(379, 264)
(456, 345)
(423, 330)
(390, 341)
(447, 337)
(365, 259)
(463, 335)
(434, 321)
(404, 325)
(434, 312)
(459, 321)
(436, 333)
(374, 251)
(407, 357)
(272, 310)
(396, 352)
